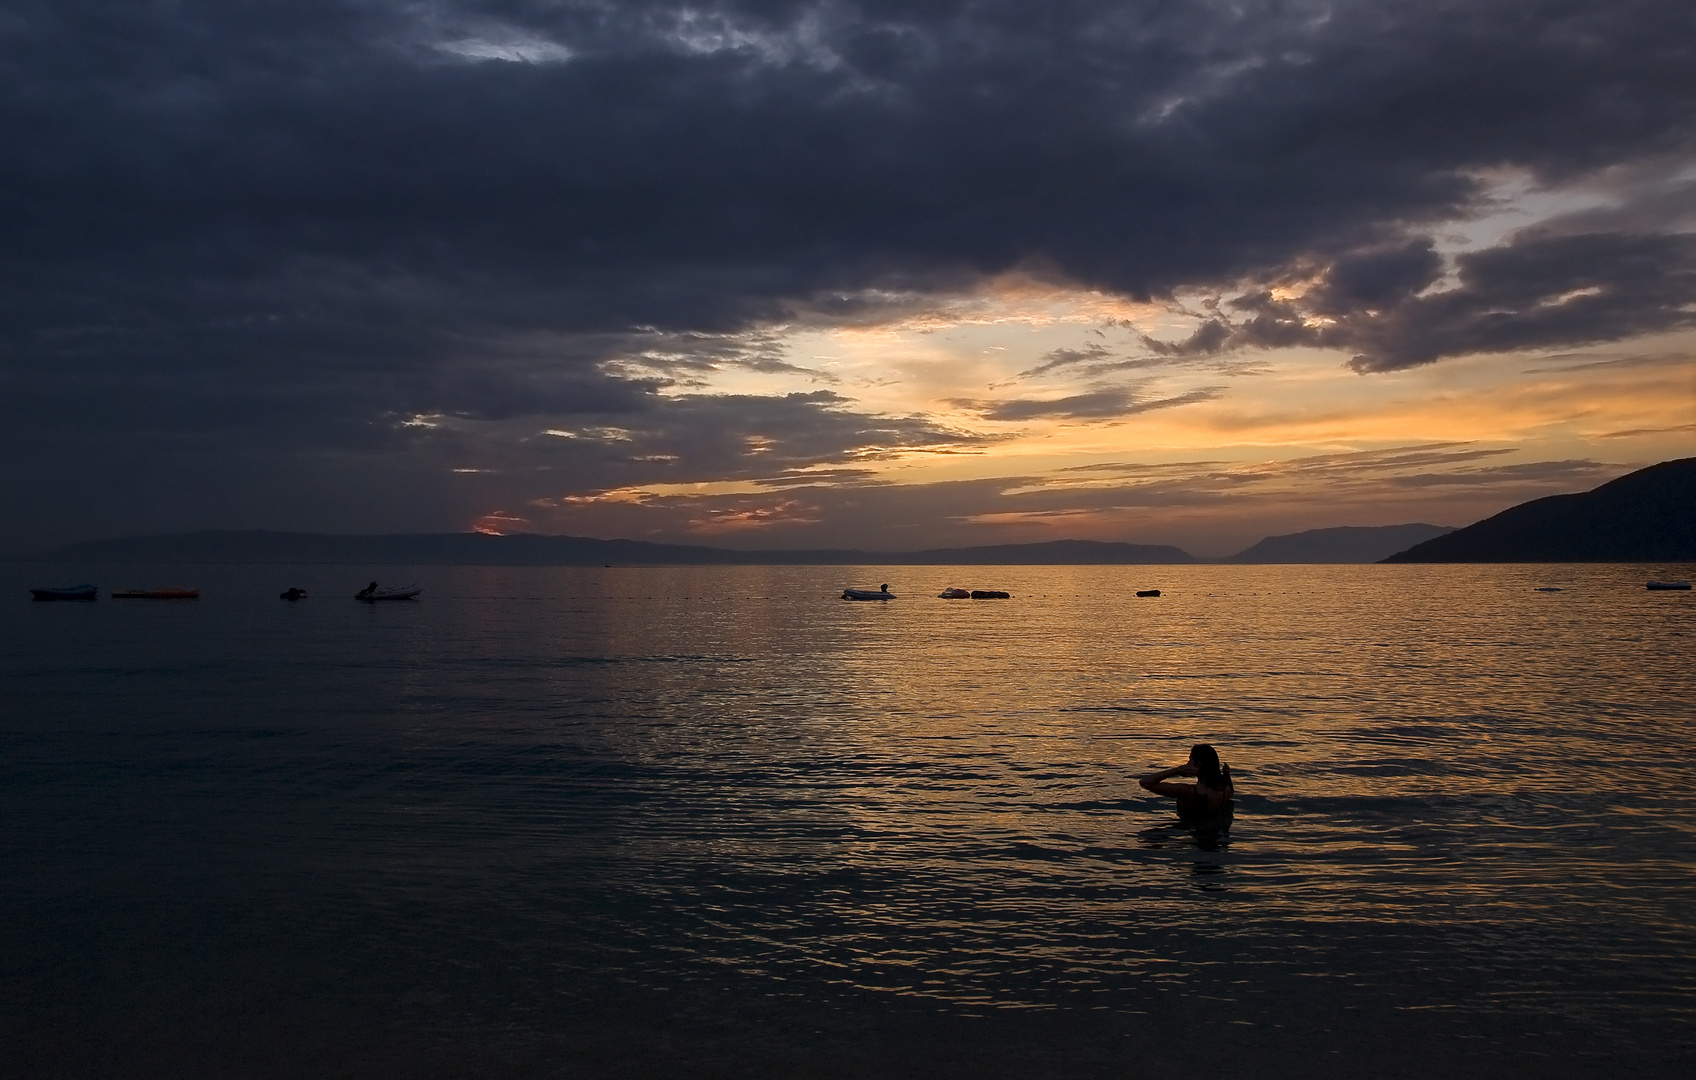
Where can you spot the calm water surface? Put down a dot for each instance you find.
(714, 821)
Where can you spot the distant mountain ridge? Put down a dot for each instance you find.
(1645, 516)
(533, 549)
(1343, 544)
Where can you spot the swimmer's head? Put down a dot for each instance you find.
(1209, 770)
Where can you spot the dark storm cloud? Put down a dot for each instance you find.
(1210, 337)
(1531, 293)
(270, 233)
(1390, 308)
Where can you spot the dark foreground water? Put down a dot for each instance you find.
(715, 822)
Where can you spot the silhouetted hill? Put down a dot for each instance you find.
(1645, 516)
(1344, 544)
(530, 549)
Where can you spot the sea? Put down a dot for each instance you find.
(717, 822)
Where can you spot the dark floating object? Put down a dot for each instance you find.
(292, 594)
(156, 594)
(1546, 588)
(69, 592)
(955, 594)
(1148, 592)
(1668, 586)
(404, 592)
(882, 593)
(990, 594)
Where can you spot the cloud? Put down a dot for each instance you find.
(1535, 292)
(1387, 305)
(1057, 359)
(245, 242)
(1211, 337)
(1108, 404)
(1190, 503)
(1637, 433)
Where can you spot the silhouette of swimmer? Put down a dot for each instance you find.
(1211, 792)
(294, 594)
(366, 592)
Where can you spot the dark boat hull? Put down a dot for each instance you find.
(80, 594)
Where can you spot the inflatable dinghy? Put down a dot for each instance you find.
(868, 594)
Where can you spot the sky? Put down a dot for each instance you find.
(889, 275)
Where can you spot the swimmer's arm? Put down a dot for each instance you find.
(1156, 782)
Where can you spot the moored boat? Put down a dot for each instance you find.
(156, 594)
(403, 592)
(991, 594)
(1666, 586)
(868, 594)
(69, 592)
(955, 594)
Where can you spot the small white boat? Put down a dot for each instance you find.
(69, 592)
(868, 594)
(402, 592)
(1665, 586)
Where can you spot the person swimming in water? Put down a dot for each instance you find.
(1211, 791)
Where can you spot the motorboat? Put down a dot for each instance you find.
(991, 594)
(882, 593)
(156, 594)
(69, 592)
(402, 592)
(1668, 586)
(1148, 592)
(292, 594)
(955, 594)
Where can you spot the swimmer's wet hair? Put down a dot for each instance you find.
(1209, 769)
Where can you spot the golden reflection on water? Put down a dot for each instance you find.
(1413, 746)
